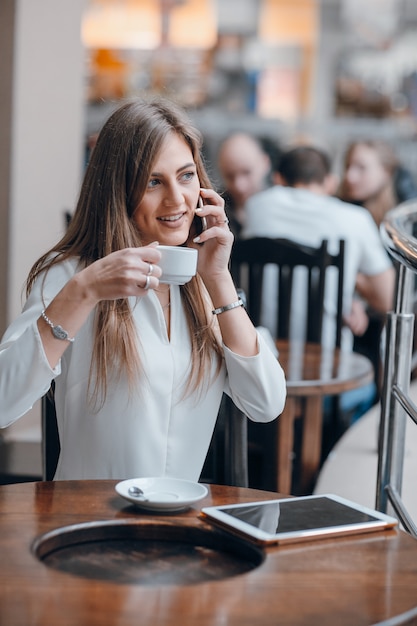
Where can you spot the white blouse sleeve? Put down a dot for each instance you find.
(25, 373)
(256, 384)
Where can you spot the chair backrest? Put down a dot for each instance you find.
(50, 436)
(248, 262)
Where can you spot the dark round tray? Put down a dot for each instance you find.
(146, 553)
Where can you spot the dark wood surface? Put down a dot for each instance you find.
(352, 581)
(312, 372)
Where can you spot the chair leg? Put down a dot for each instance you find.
(285, 446)
(236, 447)
(227, 457)
(311, 443)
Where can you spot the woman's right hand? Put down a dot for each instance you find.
(128, 272)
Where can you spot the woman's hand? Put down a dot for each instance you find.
(214, 255)
(128, 272)
(214, 249)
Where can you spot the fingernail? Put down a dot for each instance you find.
(198, 209)
(196, 239)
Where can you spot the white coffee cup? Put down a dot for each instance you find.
(178, 264)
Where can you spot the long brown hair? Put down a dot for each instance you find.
(113, 186)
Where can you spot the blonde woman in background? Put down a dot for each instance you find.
(374, 178)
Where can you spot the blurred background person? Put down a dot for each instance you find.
(244, 166)
(374, 178)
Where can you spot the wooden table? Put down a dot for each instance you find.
(312, 372)
(353, 581)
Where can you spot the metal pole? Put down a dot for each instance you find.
(397, 370)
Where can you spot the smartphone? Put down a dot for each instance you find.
(199, 223)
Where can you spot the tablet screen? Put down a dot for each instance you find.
(291, 515)
(299, 518)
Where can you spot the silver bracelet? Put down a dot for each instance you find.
(228, 307)
(57, 331)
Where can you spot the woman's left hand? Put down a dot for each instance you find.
(214, 249)
(214, 244)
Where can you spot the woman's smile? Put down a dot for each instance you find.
(172, 220)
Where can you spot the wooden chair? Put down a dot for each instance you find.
(227, 460)
(50, 436)
(51, 446)
(248, 263)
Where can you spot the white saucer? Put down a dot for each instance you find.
(162, 494)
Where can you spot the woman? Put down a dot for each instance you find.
(369, 179)
(374, 178)
(139, 366)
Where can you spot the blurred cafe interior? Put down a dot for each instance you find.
(318, 71)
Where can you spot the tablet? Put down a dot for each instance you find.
(296, 519)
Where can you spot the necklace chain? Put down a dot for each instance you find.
(163, 291)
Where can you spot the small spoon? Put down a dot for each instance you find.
(136, 492)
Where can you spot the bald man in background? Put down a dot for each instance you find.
(245, 168)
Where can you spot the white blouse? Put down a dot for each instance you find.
(154, 431)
